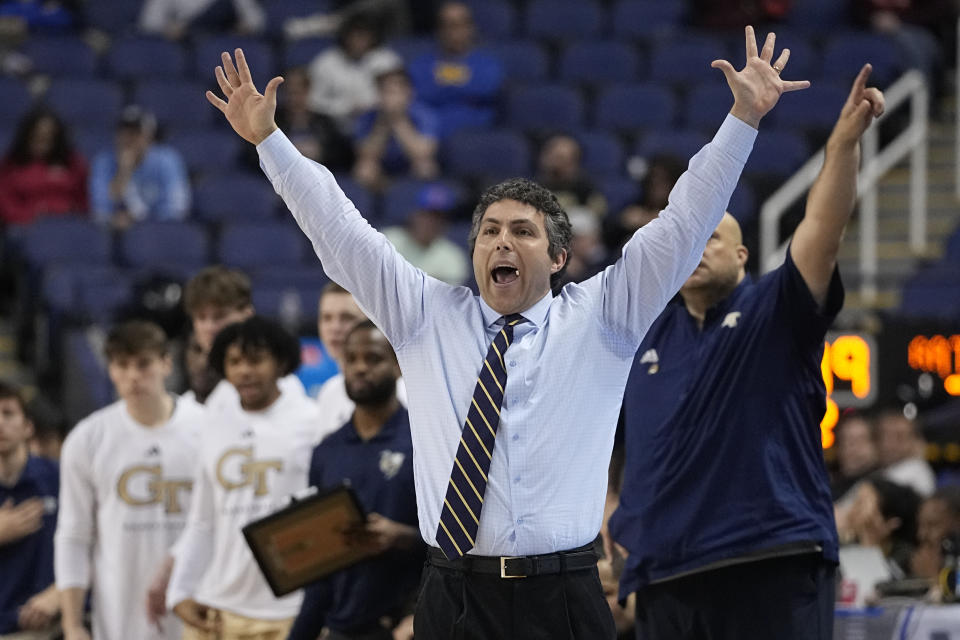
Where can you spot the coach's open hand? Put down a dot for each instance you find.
(248, 112)
(758, 86)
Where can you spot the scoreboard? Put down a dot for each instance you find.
(904, 361)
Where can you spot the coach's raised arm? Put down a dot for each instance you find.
(513, 394)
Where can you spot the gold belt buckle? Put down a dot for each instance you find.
(503, 566)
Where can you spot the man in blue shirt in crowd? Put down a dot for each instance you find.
(138, 179)
(460, 82)
(373, 453)
(29, 602)
(725, 512)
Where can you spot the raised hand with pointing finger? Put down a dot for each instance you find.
(250, 113)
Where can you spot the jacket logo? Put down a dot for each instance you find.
(390, 463)
(731, 319)
(143, 485)
(237, 469)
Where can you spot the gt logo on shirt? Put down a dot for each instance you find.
(237, 469)
(143, 485)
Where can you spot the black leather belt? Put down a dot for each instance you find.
(520, 566)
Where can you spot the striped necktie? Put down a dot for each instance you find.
(460, 517)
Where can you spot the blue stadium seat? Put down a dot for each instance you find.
(932, 293)
(403, 197)
(264, 244)
(523, 60)
(86, 102)
(594, 62)
(154, 244)
(258, 53)
(487, 154)
(207, 151)
(819, 16)
(563, 19)
(846, 52)
(61, 56)
(65, 240)
(146, 57)
(233, 197)
(274, 286)
(101, 293)
(302, 52)
(687, 59)
(176, 102)
(361, 197)
(15, 103)
(706, 105)
(813, 109)
(495, 19)
(544, 108)
(61, 284)
(628, 107)
(619, 192)
(643, 19)
(116, 16)
(777, 154)
(92, 140)
(682, 143)
(602, 152)
(411, 48)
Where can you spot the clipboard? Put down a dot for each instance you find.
(302, 542)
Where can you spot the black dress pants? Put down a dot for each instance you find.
(455, 605)
(788, 598)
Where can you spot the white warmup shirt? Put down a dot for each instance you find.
(250, 463)
(125, 492)
(336, 407)
(225, 396)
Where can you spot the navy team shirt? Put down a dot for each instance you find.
(380, 471)
(723, 445)
(26, 565)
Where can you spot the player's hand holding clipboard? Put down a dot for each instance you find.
(308, 540)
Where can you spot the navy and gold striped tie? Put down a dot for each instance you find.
(460, 517)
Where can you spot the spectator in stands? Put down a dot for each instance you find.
(337, 314)
(884, 515)
(398, 138)
(215, 298)
(373, 452)
(901, 446)
(175, 19)
(856, 451)
(41, 174)
(658, 178)
(49, 427)
(461, 83)
(733, 14)
(138, 179)
(937, 520)
(343, 78)
(252, 457)
(39, 16)
(316, 135)
(422, 240)
(127, 485)
(29, 602)
(560, 170)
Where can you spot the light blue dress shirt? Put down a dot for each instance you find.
(567, 366)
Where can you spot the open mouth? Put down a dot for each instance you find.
(504, 274)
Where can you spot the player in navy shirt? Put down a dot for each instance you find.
(29, 485)
(373, 453)
(725, 514)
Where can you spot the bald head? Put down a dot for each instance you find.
(723, 264)
(730, 228)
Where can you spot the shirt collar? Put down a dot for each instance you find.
(535, 315)
(387, 431)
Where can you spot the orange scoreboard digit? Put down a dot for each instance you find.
(849, 368)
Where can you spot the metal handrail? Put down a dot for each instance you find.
(911, 141)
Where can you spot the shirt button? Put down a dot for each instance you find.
(516, 480)
(516, 437)
(519, 520)
(513, 363)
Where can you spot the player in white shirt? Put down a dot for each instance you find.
(214, 298)
(126, 478)
(337, 314)
(253, 457)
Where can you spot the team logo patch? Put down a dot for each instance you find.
(731, 319)
(390, 463)
(650, 355)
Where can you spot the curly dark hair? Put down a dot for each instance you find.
(19, 151)
(525, 191)
(253, 334)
